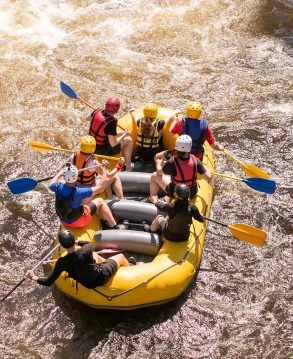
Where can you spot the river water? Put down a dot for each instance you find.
(233, 56)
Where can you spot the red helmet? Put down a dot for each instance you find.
(112, 105)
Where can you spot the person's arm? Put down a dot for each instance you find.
(196, 214)
(56, 178)
(117, 168)
(47, 281)
(102, 184)
(159, 166)
(114, 140)
(205, 173)
(133, 115)
(212, 141)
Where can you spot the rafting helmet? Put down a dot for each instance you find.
(88, 144)
(183, 143)
(112, 105)
(150, 110)
(193, 110)
(182, 191)
(70, 173)
(66, 238)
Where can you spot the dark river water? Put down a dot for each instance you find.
(233, 56)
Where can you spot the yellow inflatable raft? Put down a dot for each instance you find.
(170, 271)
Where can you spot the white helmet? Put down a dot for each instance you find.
(183, 143)
(70, 174)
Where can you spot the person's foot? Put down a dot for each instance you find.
(132, 261)
(153, 199)
(130, 168)
(120, 226)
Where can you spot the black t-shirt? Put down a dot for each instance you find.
(111, 128)
(180, 215)
(80, 266)
(169, 167)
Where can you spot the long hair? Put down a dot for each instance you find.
(147, 127)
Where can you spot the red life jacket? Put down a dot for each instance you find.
(186, 171)
(81, 160)
(97, 127)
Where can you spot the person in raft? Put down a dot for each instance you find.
(149, 132)
(175, 226)
(182, 167)
(83, 264)
(69, 199)
(198, 129)
(103, 128)
(85, 158)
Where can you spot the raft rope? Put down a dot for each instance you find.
(109, 298)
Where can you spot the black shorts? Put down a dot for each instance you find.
(92, 207)
(107, 270)
(170, 188)
(109, 150)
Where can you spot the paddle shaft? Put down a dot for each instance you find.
(233, 158)
(81, 170)
(34, 268)
(212, 220)
(227, 176)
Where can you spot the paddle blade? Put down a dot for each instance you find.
(39, 146)
(21, 185)
(248, 234)
(68, 90)
(253, 171)
(261, 184)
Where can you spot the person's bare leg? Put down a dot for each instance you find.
(121, 260)
(156, 183)
(126, 149)
(104, 212)
(155, 224)
(98, 258)
(117, 187)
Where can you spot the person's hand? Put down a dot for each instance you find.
(159, 161)
(221, 148)
(131, 109)
(121, 161)
(105, 164)
(126, 132)
(30, 274)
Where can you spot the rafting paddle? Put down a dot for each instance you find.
(26, 184)
(258, 184)
(35, 267)
(250, 170)
(39, 146)
(244, 232)
(67, 90)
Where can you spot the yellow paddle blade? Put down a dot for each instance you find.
(252, 171)
(248, 233)
(40, 146)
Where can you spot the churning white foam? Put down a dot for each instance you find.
(34, 21)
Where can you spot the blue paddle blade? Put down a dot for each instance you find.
(68, 90)
(261, 184)
(21, 185)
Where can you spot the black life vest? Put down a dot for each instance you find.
(148, 142)
(63, 207)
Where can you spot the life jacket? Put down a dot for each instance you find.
(196, 129)
(186, 171)
(63, 207)
(81, 160)
(148, 142)
(97, 127)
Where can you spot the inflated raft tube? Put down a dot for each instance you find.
(133, 210)
(132, 241)
(138, 182)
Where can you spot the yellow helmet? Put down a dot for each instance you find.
(193, 110)
(88, 144)
(150, 110)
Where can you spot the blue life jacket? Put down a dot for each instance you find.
(196, 129)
